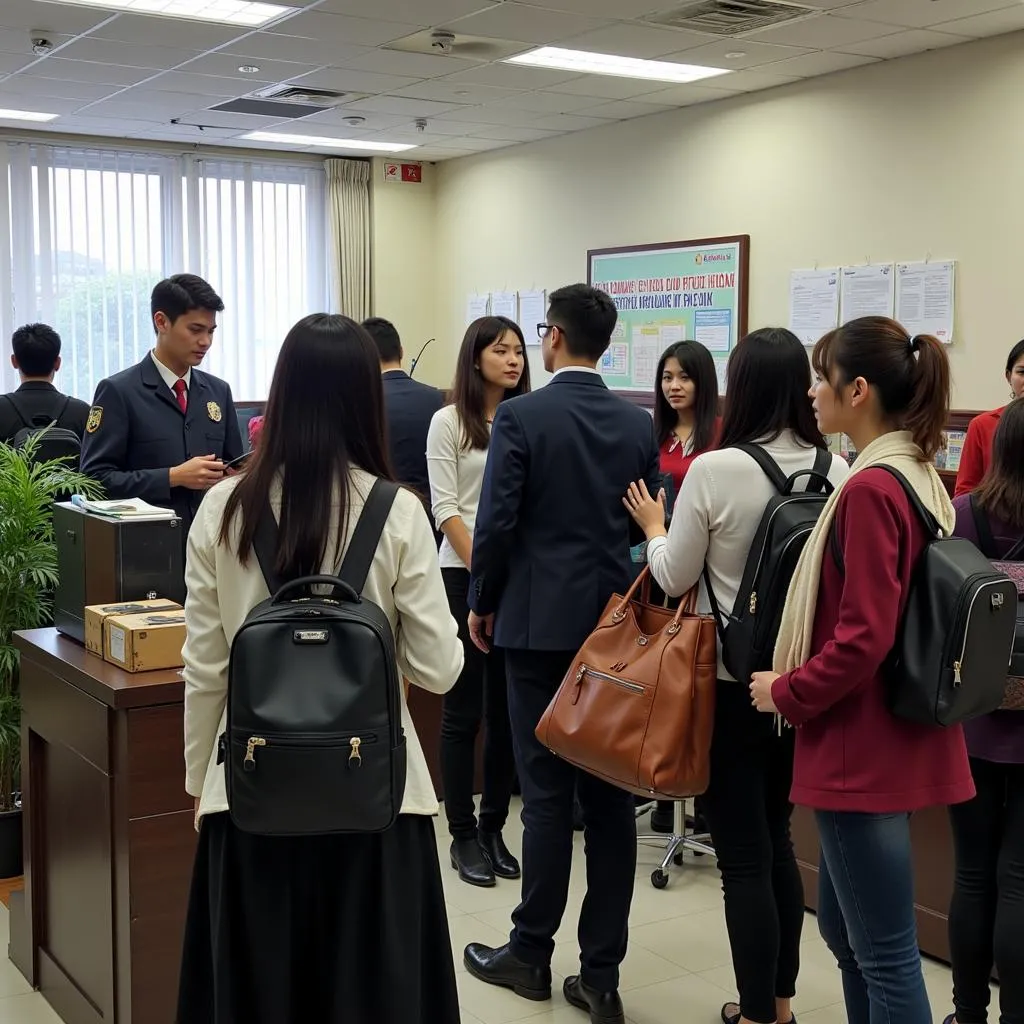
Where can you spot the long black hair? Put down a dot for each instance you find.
(325, 416)
(468, 394)
(1001, 492)
(768, 379)
(696, 362)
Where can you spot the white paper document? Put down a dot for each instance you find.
(646, 352)
(505, 304)
(868, 291)
(924, 298)
(533, 310)
(477, 306)
(813, 303)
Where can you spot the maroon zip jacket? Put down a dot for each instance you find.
(852, 754)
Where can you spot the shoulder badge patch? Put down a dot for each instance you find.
(213, 411)
(92, 424)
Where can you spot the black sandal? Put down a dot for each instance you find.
(734, 1018)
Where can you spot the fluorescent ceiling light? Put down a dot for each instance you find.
(328, 143)
(227, 12)
(25, 115)
(609, 64)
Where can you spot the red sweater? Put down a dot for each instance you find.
(674, 459)
(977, 453)
(852, 754)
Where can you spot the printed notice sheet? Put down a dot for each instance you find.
(813, 303)
(646, 351)
(868, 291)
(533, 310)
(924, 298)
(477, 306)
(505, 304)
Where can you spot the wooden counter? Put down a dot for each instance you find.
(108, 835)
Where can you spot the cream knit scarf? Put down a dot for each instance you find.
(897, 449)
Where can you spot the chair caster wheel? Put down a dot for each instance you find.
(659, 879)
(678, 860)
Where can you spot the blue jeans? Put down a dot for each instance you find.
(866, 916)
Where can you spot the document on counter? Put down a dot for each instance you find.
(533, 310)
(813, 303)
(477, 306)
(868, 291)
(924, 298)
(505, 304)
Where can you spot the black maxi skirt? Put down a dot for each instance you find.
(329, 929)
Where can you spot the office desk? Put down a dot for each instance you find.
(108, 835)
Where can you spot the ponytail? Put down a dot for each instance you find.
(911, 375)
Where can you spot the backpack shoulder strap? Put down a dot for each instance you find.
(768, 465)
(17, 409)
(265, 545)
(63, 409)
(356, 565)
(986, 541)
(930, 522)
(1014, 554)
(818, 480)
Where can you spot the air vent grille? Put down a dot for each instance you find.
(286, 93)
(730, 17)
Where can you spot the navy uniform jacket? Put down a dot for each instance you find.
(408, 409)
(136, 433)
(552, 538)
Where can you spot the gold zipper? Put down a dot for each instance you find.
(249, 764)
(355, 743)
(583, 670)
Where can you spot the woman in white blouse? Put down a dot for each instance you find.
(491, 367)
(716, 515)
(326, 928)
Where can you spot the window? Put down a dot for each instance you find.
(85, 234)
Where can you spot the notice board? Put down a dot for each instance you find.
(666, 292)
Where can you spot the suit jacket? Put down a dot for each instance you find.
(409, 407)
(552, 538)
(38, 398)
(136, 433)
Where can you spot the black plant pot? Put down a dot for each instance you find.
(10, 844)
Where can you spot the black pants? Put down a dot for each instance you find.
(986, 917)
(748, 812)
(548, 785)
(479, 695)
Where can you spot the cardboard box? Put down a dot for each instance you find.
(97, 614)
(145, 642)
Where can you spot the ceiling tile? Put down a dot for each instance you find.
(624, 10)
(226, 65)
(322, 52)
(545, 102)
(11, 62)
(525, 24)
(123, 126)
(921, 13)
(568, 122)
(745, 81)
(34, 85)
(685, 95)
(86, 71)
(992, 24)
(342, 80)
(629, 41)
(419, 12)
(235, 123)
(823, 63)
(63, 18)
(16, 41)
(336, 28)
(201, 85)
(450, 129)
(509, 133)
(402, 106)
(621, 110)
(43, 104)
(755, 54)
(823, 31)
(375, 122)
(489, 115)
(139, 103)
(903, 43)
(451, 91)
(512, 76)
(105, 51)
(829, 5)
(187, 35)
(411, 65)
(606, 87)
(476, 145)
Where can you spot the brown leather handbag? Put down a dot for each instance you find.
(637, 706)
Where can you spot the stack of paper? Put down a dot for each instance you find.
(134, 509)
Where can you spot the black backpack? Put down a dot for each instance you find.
(314, 742)
(952, 650)
(748, 635)
(54, 442)
(1012, 563)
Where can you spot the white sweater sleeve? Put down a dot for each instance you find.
(677, 561)
(205, 654)
(429, 651)
(443, 465)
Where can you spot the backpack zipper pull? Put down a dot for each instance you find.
(956, 673)
(355, 743)
(249, 764)
(753, 602)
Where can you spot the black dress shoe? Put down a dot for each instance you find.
(663, 818)
(603, 1007)
(503, 968)
(498, 855)
(469, 860)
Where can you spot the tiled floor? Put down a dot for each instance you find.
(677, 972)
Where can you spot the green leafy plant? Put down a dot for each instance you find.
(28, 576)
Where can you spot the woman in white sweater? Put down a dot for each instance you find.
(338, 927)
(747, 803)
(491, 367)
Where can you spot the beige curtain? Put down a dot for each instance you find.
(348, 209)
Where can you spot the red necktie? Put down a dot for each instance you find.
(180, 392)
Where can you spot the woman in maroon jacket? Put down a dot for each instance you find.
(861, 769)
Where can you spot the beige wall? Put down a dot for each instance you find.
(890, 161)
(404, 242)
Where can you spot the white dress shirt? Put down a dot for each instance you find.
(169, 377)
(575, 369)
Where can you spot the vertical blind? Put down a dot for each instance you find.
(85, 234)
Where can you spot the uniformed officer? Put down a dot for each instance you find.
(162, 430)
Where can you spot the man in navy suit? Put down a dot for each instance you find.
(551, 546)
(408, 408)
(163, 430)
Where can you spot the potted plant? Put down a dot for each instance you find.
(28, 576)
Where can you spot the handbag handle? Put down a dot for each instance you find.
(687, 603)
(339, 587)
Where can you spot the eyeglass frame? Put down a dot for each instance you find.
(544, 329)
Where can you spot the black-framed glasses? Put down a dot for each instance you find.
(543, 330)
